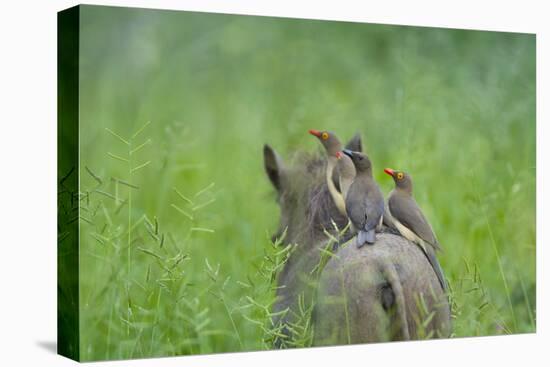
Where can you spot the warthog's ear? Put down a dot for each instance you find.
(273, 166)
(355, 143)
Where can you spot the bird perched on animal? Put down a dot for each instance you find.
(332, 145)
(411, 222)
(364, 200)
(346, 173)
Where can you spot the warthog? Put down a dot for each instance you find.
(381, 292)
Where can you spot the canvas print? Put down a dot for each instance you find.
(235, 183)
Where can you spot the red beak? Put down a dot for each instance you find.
(389, 171)
(316, 133)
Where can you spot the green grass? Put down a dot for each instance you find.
(177, 211)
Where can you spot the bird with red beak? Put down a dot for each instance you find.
(346, 173)
(332, 145)
(411, 222)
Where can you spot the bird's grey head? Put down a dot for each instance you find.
(402, 179)
(361, 161)
(329, 140)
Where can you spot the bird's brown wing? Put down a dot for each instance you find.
(406, 210)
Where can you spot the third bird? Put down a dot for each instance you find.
(411, 222)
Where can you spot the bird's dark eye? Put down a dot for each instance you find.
(324, 135)
(400, 175)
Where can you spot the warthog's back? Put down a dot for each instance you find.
(382, 292)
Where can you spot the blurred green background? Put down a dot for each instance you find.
(175, 108)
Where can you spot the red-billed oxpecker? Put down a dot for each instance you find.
(411, 222)
(346, 171)
(364, 200)
(332, 146)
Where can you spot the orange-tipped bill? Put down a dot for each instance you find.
(316, 133)
(389, 171)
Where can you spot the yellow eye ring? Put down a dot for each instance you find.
(324, 136)
(400, 175)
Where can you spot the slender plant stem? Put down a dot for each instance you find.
(155, 322)
(129, 228)
(233, 323)
(527, 302)
(499, 262)
(348, 332)
(109, 330)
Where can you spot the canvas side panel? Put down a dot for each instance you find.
(68, 22)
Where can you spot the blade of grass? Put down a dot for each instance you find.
(117, 136)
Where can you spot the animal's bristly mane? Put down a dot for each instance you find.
(307, 189)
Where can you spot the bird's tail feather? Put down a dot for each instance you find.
(366, 237)
(430, 255)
